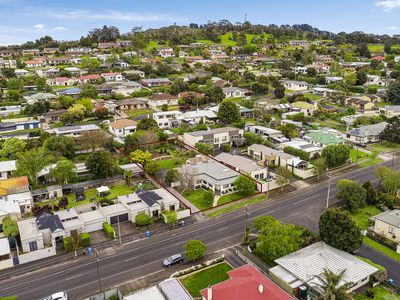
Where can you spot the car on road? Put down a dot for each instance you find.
(172, 260)
(57, 296)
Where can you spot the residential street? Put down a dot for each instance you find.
(143, 257)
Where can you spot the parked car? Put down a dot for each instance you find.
(57, 296)
(172, 260)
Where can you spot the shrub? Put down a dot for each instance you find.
(296, 152)
(226, 147)
(85, 239)
(143, 220)
(68, 243)
(370, 293)
(109, 230)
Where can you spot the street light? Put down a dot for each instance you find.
(119, 231)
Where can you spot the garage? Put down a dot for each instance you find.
(92, 220)
(122, 218)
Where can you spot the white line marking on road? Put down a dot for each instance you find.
(223, 228)
(132, 258)
(73, 277)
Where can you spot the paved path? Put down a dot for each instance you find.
(216, 199)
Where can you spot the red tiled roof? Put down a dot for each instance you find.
(246, 283)
(92, 76)
(162, 96)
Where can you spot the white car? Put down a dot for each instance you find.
(57, 296)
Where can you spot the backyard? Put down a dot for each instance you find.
(208, 277)
(171, 163)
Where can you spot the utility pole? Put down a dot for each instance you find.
(329, 191)
(267, 180)
(245, 220)
(119, 231)
(96, 253)
(357, 156)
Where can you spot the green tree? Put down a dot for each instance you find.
(11, 147)
(143, 220)
(289, 130)
(283, 176)
(244, 185)
(170, 216)
(61, 145)
(338, 229)
(101, 164)
(31, 162)
(64, 172)
(195, 249)
(391, 132)
(332, 287)
(171, 176)
(228, 112)
(204, 148)
(147, 124)
(152, 167)
(164, 107)
(264, 221)
(40, 83)
(89, 91)
(393, 92)
(370, 197)
(279, 91)
(336, 155)
(10, 227)
(141, 157)
(75, 113)
(90, 64)
(259, 88)
(352, 193)
(389, 179)
(361, 77)
(87, 103)
(319, 167)
(101, 113)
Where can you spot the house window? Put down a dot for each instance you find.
(33, 246)
(391, 230)
(172, 207)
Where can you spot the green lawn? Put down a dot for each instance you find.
(376, 47)
(170, 163)
(381, 248)
(236, 206)
(385, 146)
(230, 198)
(362, 216)
(364, 159)
(138, 112)
(153, 44)
(208, 277)
(360, 154)
(197, 197)
(381, 293)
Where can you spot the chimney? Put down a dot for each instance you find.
(261, 289)
(209, 293)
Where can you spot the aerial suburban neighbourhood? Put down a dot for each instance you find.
(216, 161)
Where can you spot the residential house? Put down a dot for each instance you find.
(166, 52)
(51, 228)
(122, 127)
(322, 138)
(272, 135)
(78, 50)
(366, 134)
(74, 131)
(210, 174)
(21, 73)
(30, 236)
(296, 86)
(159, 99)
(53, 72)
(126, 88)
(17, 190)
(319, 67)
(53, 61)
(304, 146)
(107, 45)
(7, 168)
(300, 43)
(91, 78)
(130, 104)
(39, 97)
(333, 79)
(168, 119)
(8, 64)
(234, 92)
(359, 104)
(115, 213)
(141, 74)
(74, 92)
(61, 81)
(304, 107)
(306, 265)
(390, 111)
(375, 80)
(245, 283)
(52, 116)
(199, 116)
(387, 224)
(9, 110)
(34, 63)
(6, 260)
(73, 70)
(300, 70)
(92, 219)
(216, 137)
(9, 209)
(117, 77)
(154, 82)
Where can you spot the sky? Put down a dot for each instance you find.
(23, 20)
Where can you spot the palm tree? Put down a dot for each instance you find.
(330, 286)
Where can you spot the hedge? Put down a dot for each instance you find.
(143, 220)
(68, 243)
(85, 239)
(109, 230)
(297, 152)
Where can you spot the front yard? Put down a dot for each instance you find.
(230, 197)
(362, 216)
(208, 277)
(198, 198)
(381, 293)
(363, 159)
(385, 146)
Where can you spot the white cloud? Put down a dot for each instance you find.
(39, 27)
(392, 28)
(388, 5)
(59, 29)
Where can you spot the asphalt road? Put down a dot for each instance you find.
(135, 260)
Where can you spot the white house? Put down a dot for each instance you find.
(122, 127)
(296, 85)
(216, 137)
(70, 221)
(31, 237)
(390, 111)
(366, 134)
(6, 168)
(387, 224)
(234, 92)
(112, 77)
(166, 52)
(168, 119)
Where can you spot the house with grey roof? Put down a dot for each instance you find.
(51, 227)
(209, 174)
(387, 224)
(6, 168)
(216, 137)
(366, 134)
(74, 131)
(390, 111)
(306, 265)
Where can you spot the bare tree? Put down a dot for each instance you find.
(93, 140)
(187, 177)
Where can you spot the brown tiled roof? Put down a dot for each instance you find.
(122, 123)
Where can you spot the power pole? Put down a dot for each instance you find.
(98, 269)
(245, 220)
(119, 231)
(357, 156)
(329, 191)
